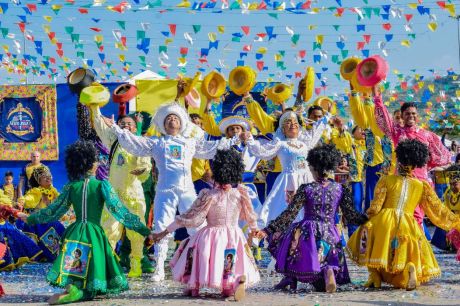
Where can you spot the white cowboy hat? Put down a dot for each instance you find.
(234, 120)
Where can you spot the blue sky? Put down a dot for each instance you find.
(429, 50)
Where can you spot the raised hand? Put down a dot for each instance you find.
(137, 171)
(109, 121)
(22, 216)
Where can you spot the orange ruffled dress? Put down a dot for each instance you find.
(392, 237)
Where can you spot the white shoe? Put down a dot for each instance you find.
(158, 276)
(271, 266)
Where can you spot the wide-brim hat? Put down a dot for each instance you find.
(213, 85)
(190, 84)
(79, 79)
(193, 98)
(377, 69)
(348, 67)
(309, 80)
(124, 93)
(242, 79)
(325, 102)
(166, 110)
(95, 94)
(279, 93)
(234, 120)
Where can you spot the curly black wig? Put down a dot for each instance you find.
(79, 159)
(413, 153)
(324, 159)
(227, 167)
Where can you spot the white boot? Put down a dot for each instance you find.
(161, 251)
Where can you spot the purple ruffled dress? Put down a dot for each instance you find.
(305, 250)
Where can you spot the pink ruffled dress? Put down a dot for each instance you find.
(218, 254)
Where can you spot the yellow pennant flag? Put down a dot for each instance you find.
(184, 3)
(455, 77)
(412, 5)
(221, 29)
(47, 28)
(432, 26)
(212, 36)
(262, 50)
(405, 43)
(319, 39)
(98, 38)
(312, 27)
(182, 60)
(451, 9)
(48, 18)
(278, 57)
(431, 87)
(121, 57)
(168, 41)
(417, 76)
(421, 84)
(315, 10)
(253, 6)
(457, 93)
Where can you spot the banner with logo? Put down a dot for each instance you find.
(28, 122)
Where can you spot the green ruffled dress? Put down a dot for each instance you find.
(86, 259)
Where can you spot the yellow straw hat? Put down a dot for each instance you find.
(279, 93)
(309, 84)
(325, 103)
(190, 83)
(348, 67)
(95, 94)
(359, 87)
(213, 85)
(242, 79)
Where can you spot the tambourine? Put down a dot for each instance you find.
(242, 79)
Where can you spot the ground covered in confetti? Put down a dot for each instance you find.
(28, 286)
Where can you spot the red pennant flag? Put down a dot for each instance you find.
(101, 48)
(183, 51)
(247, 48)
(123, 40)
(302, 53)
(172, 29)
(262, 6)
(306, 5)
(408, 17)
(32, 7)
(360, 45)
(261, 35)
(442, 4)
(24, 62)
(367, 38)
(51, 35)
(245, 29)
(203, 60)
(22, 26)
(387, 26)
(83, 10)
(318, 91)
(96, 29)
(298, 74)
(260, 65)
(52, 60)
(340, 11)
(404, 85)
(59, 45)
(60, 52)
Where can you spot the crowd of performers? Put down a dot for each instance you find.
(320, 178)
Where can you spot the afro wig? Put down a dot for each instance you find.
(324, 159)
(413, 153)
(227, 167)
(79, 159)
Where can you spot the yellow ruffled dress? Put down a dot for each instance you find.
(392, 237)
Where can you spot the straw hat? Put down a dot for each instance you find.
(348, 67)
(309, 84)
(213, 85)
(95, 94)
(279, 93)
(242, 79)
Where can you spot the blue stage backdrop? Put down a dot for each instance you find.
(67, 133)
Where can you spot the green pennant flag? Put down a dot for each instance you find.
(365, 1)
(80, 54)
(337, 75)
(332, 8)
(75, 37)
(411, 35)
(183, 70)
(140, 34)
(235, 5)
(162, 49)
(273, 15)
(196, 28)
(79, 46)
(376, 11)
(69, 30)
(295, 38)
(316, 45)
(344, 53)
(236, 39)
(336, 27)
(367, 12)
(4, 32)
(89, 5)
(386, 85)
(121, 24)
(335, 58)
(109, 65)
(282, 53)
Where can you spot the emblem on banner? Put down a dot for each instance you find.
(20, 121)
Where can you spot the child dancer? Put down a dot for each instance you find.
(86, 264)
(311, 250)
(392, 244)
(39, 196)
(8, 187)
(218, 255)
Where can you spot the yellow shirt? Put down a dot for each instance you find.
(33, 198)
(363, 115)
(4, 199)
(355, 148)
(199, 168)
(264, 122)
(452, 201)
